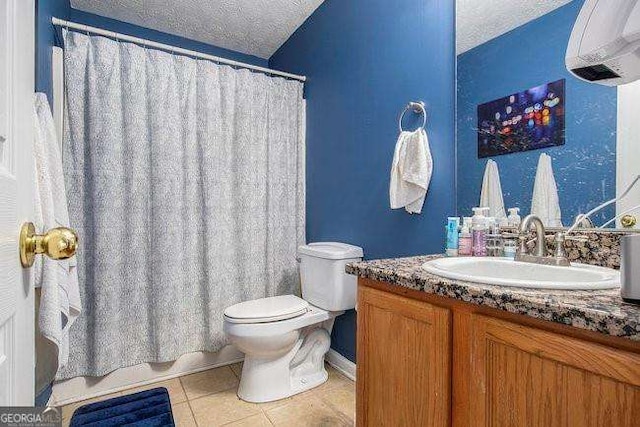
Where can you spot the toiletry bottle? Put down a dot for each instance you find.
(465, 241)
(479, 232)
(494, 238)
(509, 247)
(490, 225)
(453, 226)
(513, 220)
(467, 220)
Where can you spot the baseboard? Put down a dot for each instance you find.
(341, 363)
(82, 388)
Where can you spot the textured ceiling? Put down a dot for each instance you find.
(478, 21)
(254, 27)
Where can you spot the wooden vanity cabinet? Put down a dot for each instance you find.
(522, 376)
(424, 360)
(403, 361)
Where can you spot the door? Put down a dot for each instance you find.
(521, 376)
(403, 367)
(628, 153)
(16, 200)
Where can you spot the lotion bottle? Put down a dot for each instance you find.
(479, 232)
(453, 227)
(465, 240)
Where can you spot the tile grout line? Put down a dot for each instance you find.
(335, 409)
(234, 372)
(247, 417)
(184, 391)
(207, 394)
(187, 401)
(193, 415)
(267, 417)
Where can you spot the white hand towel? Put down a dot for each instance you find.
(491, 194)
(545, 203)
(59, 302)
(411, 171)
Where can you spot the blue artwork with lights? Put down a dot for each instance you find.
(524, 121)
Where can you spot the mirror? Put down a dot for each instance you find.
(516, 100)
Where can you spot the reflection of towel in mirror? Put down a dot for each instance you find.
(411, 171)
(545, 203)
(59, 297)
(491, 193)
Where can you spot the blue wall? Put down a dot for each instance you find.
(47, 36)
(365, 59)
(585, 167)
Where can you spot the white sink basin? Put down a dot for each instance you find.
(507, 272)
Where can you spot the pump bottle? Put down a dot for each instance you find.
(465, 240)
(513, 220)
(479, 232)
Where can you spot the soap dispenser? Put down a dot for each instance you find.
(479, 232)
(465, 240)
(513, 220)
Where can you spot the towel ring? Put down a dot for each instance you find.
(418, 108)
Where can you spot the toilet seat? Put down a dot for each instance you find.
(312, 316)
(266, 310)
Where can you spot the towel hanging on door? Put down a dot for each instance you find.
(59, 296)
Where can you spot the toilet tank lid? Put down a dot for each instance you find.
(331, 250)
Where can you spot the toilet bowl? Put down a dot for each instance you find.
(271, 370)
(284, 338)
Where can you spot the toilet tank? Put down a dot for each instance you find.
(324, 282)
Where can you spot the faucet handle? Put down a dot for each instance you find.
(509, 235)
(577, 238)
(562, 237)
(522, 244)
(561, 252)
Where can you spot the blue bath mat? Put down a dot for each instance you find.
(148, 408)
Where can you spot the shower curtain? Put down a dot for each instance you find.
(186, 186)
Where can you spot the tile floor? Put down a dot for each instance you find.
(209, 398)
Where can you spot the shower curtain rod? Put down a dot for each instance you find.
(173, 49)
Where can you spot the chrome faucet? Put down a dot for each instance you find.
(541, 243)
(540, 253)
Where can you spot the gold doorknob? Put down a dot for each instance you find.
(57, 243)
(628, 221)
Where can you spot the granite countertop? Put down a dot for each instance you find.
(598, 310)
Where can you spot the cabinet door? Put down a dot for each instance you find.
(521, 376)
(403, 361)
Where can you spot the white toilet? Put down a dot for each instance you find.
(285, 338)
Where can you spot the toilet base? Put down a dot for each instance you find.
(301, 369)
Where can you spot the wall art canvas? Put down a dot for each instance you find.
(528, 120)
